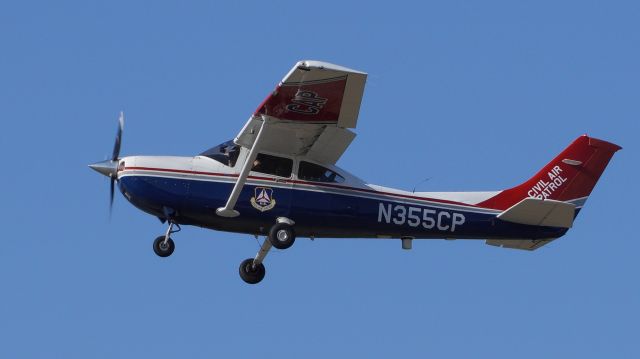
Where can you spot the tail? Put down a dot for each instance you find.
(570, 177)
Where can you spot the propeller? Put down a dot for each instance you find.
(116, 146)
(109, 167)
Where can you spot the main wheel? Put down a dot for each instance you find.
(163, 249)
(249, 274)
(282, 235)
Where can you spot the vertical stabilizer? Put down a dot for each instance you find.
(570, 177)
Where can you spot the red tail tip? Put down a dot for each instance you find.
(594, 142)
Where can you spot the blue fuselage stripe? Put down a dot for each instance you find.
(317, 212)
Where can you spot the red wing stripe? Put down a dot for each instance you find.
(312, 101)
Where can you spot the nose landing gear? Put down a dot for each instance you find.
(163, 246)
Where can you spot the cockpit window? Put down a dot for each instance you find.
(225, 153)
(273, 165)
(312, 172)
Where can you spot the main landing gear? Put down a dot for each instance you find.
(163, 246)
(281, 236)
(252, 270)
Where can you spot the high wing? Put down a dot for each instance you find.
(309, 113)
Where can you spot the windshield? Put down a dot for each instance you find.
(225, 153)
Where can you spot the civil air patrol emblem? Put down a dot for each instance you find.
(263, 199)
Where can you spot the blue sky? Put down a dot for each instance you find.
(474, 95)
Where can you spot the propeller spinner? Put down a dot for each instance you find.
(109, 167)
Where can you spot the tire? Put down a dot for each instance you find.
(163, 250)
(282, 236)
(249, 274)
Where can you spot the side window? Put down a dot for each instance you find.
(312, 172)
(273, 165)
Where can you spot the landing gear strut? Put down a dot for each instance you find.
(252, 270)
(281, 236)
(163, 246)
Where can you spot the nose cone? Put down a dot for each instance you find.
(108, 168)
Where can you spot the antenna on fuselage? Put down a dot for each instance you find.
(419, 183)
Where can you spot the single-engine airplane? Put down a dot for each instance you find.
(278, 179)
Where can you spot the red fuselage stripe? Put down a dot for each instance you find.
(301, 182)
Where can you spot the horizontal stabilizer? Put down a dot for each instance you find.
(526, 244)
(538, 212)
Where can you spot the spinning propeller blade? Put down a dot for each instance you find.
(109, 167)
(113, 186)
(116, 146)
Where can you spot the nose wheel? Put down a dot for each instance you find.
(163, 246)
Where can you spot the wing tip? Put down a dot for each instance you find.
(308, 65)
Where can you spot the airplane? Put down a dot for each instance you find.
(278, 178)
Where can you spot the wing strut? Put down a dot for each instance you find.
(227, 210)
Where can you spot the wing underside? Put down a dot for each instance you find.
(309, 112)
